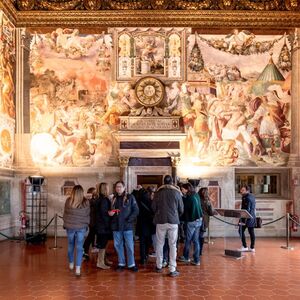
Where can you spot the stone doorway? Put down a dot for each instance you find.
(147, 171)
(150, 180)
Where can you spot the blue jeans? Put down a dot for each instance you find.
(192, 235)
(119, 237)
(76, 236)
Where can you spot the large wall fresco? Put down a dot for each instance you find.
(231, 91)
(7, 91)
(238, 104)
(71, 75)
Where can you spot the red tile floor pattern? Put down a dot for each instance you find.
(37, 272)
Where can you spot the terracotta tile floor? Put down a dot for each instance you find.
(37, 272)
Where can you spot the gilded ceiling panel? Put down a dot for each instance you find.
(255, 5)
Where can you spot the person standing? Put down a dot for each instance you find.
(76, 219)
(248, 203)
(207, 211)
(167, 207)
(124, 213)
(192, 218)
(90, 239)
(102, 223)
(145, 224)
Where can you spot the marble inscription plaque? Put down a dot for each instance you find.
(149, 123)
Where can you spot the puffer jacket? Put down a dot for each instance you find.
(167, 205)
(76, 218)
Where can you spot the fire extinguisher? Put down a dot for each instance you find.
(294, 222)
(24, 220)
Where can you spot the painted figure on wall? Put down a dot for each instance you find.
(245, 119)
(150, 54)
(7, 91)
(235, 111)
(7, 60)
(70, 79)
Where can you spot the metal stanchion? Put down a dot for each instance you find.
(55, 234)
(288, 247)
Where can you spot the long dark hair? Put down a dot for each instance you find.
(203, 193)
(190, 189)
(102, 189)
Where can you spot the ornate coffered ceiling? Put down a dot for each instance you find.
(157, 4)
(256, 14)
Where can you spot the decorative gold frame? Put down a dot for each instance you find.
(258, 18)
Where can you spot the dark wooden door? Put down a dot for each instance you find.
(150, 180)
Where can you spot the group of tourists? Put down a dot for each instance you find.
(155, 216)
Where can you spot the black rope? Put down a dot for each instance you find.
(234, 224)
(29, 238)
(37, 233)
(261, 225)
(293, 220)
(11, 238)
(264, 224)
(60, 216)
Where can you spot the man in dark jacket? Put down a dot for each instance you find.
(124, 213)
(248, 203)
(167, 207)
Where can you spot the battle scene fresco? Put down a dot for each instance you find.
(237, 109)
(70, 78)
(7, 91)
(231, 91)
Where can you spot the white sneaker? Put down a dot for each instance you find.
(243, 249)
(71, 266)
(77, 271)
(252, 250)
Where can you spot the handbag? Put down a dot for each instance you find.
(258, 222)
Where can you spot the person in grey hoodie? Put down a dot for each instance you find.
(167, 207)
(76, 221)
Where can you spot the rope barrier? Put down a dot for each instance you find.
(293, 220)
(37, 233)
(10, 238)
(234, 224)
(29, 238)
(265, 224)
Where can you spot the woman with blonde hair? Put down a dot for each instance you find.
(103, 230)
(76, 221)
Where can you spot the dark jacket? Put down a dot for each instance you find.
(192, 208)
(167, 205)
(76, 218)
(129, 211)
(144, 224)
(93, 212)
(248, 203)
(207, 211)
(102, 223)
